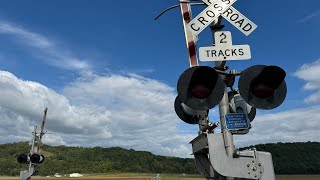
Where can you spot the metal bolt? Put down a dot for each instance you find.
(248, 165)
(252, 161)
(254, 168)
(259, 164)
(255, 176)
(260, 172)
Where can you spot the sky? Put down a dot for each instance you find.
(107, 71)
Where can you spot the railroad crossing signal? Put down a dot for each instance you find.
(224, 50)
(223, 8)
(34, 158)
(200, 88)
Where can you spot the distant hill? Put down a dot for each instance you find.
(65, 160)
(289, 158)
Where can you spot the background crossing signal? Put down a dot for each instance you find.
(36, 158)
(23, 159)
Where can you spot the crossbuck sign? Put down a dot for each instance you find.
(214, 10)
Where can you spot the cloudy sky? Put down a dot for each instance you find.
(107, 72)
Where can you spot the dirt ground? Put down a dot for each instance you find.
(85, 178)
(148, 177)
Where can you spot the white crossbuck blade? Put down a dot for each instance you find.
(214, 10)
(208, 15)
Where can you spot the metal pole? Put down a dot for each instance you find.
(41, 132)
(224, 105)
(33, 146)
(190, 38)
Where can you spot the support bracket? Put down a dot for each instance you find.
(248, 164)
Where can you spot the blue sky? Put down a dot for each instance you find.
(108, 71)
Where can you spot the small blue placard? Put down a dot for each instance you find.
(237, 121)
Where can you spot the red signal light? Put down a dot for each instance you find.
(262, 91)
(200, 91)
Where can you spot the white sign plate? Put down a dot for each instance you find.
(223, 38)
(237, 19)
(224, 50)
(208, 15)
(223, 53)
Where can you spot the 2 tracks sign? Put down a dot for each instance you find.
(224, 50)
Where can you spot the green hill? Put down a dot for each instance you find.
(289, 158)
(65, 160)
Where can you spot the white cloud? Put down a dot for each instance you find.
(44, 48)
(311, 73)
(22, 104)
(142, 111)
(309, 16)
(296, 125)
(128, 111)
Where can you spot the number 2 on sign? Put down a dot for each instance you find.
(224, 37)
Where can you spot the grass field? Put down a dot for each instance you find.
(162, 177)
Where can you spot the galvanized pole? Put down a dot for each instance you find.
(33, 147)
(224, 104)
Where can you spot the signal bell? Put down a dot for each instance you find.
(200, 88)
(263, 87)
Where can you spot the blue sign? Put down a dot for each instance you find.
(236, 121)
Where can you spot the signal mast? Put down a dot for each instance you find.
(200, 88)
(35, 156)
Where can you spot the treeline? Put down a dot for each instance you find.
(65, 160)
(288, 158)
(293, 158)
